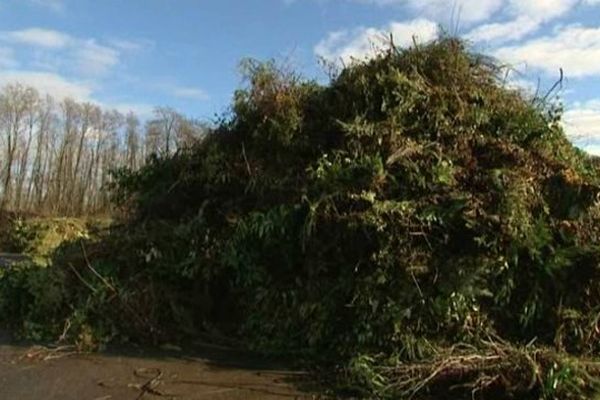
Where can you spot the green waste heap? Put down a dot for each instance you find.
(414, 222)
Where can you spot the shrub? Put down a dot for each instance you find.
(412, 204)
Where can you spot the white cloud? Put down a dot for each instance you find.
(55, 49)
(62, 65)
(95, 59)
(360, 43)
(544, 10)
(526, 17)
(61, 88)
(141, 110)
(38, 37)
(593, 149)
(54, 5)
(582, 121)
(7, 58)
(574, 48)
(188, 93)
(500, 32)
(465, 11)
(175, 89)
(48, 83)
(521, 17)
(131, 45)
(521, 84)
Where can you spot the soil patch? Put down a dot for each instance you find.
(209, 373)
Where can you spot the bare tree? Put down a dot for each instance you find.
(132, 141)
(14, 103)
(58, 157)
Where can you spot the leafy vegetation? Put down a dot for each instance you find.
(414, 225)
(39, 237)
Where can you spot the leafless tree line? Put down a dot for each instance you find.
(56, 156)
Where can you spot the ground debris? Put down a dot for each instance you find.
(43, 353)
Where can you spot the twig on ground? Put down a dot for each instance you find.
(43, 353)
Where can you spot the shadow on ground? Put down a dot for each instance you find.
(208, 372)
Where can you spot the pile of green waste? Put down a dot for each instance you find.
(415, 227)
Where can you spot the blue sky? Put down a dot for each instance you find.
(136, 54)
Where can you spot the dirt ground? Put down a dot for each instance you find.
(208, 372)
(33, 373)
